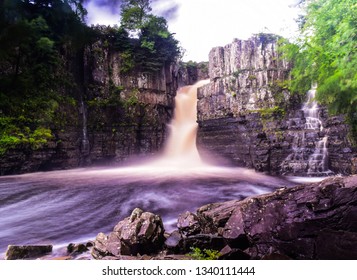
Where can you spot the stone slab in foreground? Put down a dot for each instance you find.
(313, 221)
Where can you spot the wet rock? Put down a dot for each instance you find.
(203, 241)
(313, 221)
(15, 252)
(174, 242)
(141, 233)
(188, 223)
(341, 245)
(228, 253)
(77, 248)
(276, 256)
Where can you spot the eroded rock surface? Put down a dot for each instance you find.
(141, 233)
(314, 221)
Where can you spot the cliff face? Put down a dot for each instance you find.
(113, 115)
(246, 76)
(126, 113)
(247, 115)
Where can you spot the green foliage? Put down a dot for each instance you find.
(266, 38)
(252, 77)
(236, 74)
(205, 254)
(134, 14)
(12, 135)
(144, 39)
(35, 82)
(133, 99)
(42, 45)
(326, 54)
(277, 88)
(271, 113)
(203, 66)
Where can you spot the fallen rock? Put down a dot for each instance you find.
(188, 223)
(141, 233)
(76, 249)
(15, 252)
(227, 253)
(174, 242)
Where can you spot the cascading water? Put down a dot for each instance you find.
(318, 161)
(180, 149)
(85, 141)
(312, 161)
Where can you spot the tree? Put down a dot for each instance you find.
(326, 53)
(152, 45)
(134, 14)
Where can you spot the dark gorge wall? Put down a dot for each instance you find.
(247, 116)
(114, 114)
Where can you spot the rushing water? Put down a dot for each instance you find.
(318, 161)
(68, 206)
(304, 160)
(60, 207)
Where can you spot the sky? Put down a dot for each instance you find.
(200, 25)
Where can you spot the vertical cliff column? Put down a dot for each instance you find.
(127, 110)
(247, 77)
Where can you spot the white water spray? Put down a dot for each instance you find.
(180, 149)
(301, 160)
(318, 161)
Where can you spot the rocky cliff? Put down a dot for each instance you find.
(114, 115)
(247, 115)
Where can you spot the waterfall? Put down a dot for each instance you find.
(318, 161)
(180, 149)
(307, 159)
(311, 111)
(85, 141)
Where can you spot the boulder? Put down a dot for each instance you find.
(15, 252)
(188, 223)
(77, 249)
(174, 242)
(141, 233)
(227, 253)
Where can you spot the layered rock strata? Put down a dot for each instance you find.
(247, 116)
(315, 221)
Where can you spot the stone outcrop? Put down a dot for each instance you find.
(141, 233)
(245, 76)
(315, 221)
(190, 72)
(247, 115)
(15, 252)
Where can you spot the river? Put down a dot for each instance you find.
(60, 207)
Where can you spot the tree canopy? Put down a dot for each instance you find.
(152, 44)
(326, 53)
